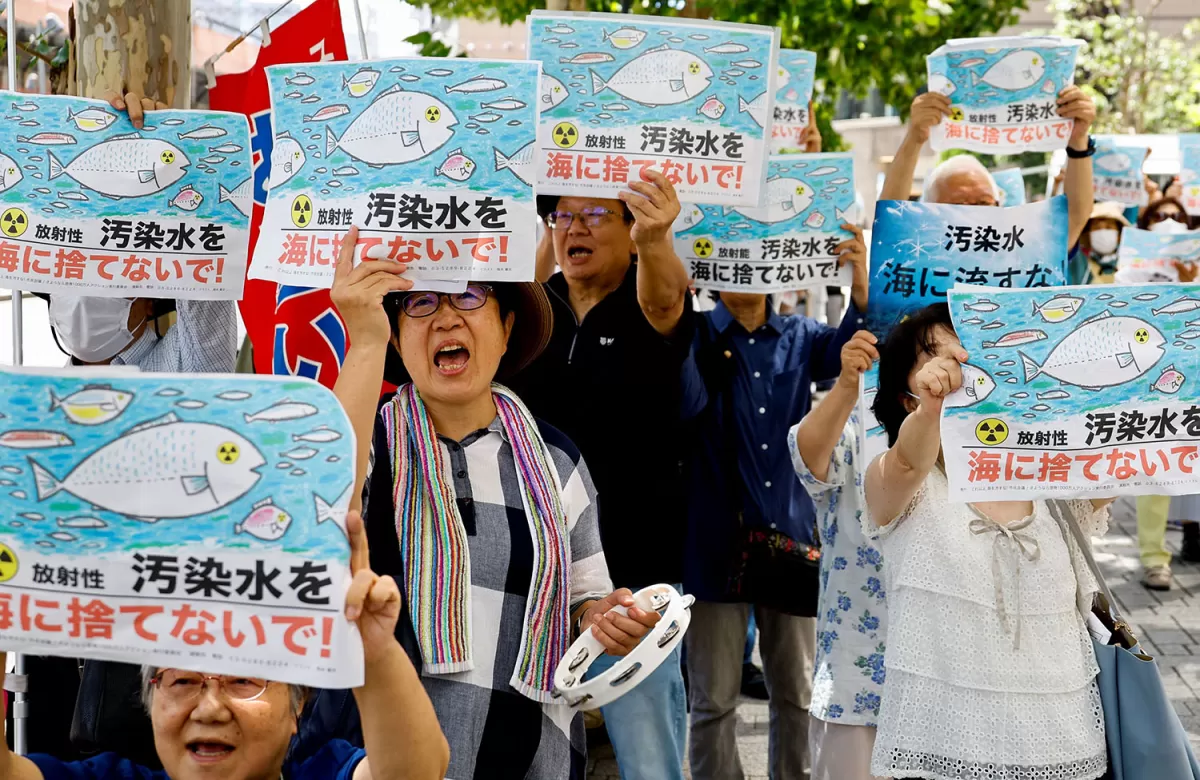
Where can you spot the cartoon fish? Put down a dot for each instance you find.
(33, 516)
(587, 58)
(1015, 339)
(187, 198)
(282, 411)
(33, 440)
(439, 72)
(294, 94)
(973, 321)
(1113, 162)
(91, 119)
(625, 38)
(507, 104)
(26, 106)
(727, 48)
(328, 112)
(560, 29)
(265, 521)
(815, 220)
(163, 468)
(971, 63)
(321, 435)
(300, 80)
(49, 139)
(202, 133)
(242, 198)
(520, 163)
(191, 404)
(326, 513)
(489, 116)
(1051, 395)
(786, 197)
(748, 64)
(398, 127)
(1104, 351)
(225, 149)
(1179, 307)
(1016, 71)
(93, 405)
(10, 173)
(125, 166)
(981, 305)
(69, 195)
(287, 158)
(976, 386)
(346, 170)
(553, 92)
(712, 108)
(234, 395)
(1058, 308)
(940, 84)
(313, 98)
(1169, 381)
(301, 453)
(478, 84)
(456, 167)
(81, 521)
(1190, 334)
(691, 215)
(756, 108)
(612, 106)
(63, 536)
(643, 77)
(1145, 297)
(993, 325)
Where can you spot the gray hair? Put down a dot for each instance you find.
(297, 694)
(959, 163)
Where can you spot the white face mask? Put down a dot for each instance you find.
(91, 329)
(1105, 240)
(1168, 226)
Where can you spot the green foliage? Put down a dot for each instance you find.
(428, 46)
(1142, 82)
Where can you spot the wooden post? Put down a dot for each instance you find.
(142, 46)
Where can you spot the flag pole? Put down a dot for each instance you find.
(362, 33)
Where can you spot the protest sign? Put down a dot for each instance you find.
(787, 244)
(431, 158)
(189, 521)
(1012, 186)
(1146, 256)
(793, 89)
(1189, 171)
(91, 205)
(690, 99)
(1082, 392)
(1003, 93)
(1117, 173)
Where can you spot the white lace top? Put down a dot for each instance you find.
(990, 670)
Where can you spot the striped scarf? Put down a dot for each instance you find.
(436, 556)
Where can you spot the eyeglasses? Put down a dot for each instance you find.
(181, 687)
(422, 304)
(1163, 216)
(592, 218)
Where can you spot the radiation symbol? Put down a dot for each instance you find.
(433, 114)
(565, 135)
(1141, 335)
(991, 431)
(8, 563)
(693, 68)
(228, 452)
(301, 211)
(167, 156)
(703, 247)
(800, 189)
(956, 114)
(14, 222)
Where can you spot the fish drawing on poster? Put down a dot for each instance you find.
(787, 244)
(621, 95)
(1189, 171)
(94, 206)
(433, 160)
(1089, 393)
(793, 90)
(1003, 93)
(138, 482)
(1012, 186)
(921, 250)
(1117, 173)
(1145, 256)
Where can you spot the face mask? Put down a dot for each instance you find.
(91, 329)
(1168, 226)
(1104, 241)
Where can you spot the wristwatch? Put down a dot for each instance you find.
(1088, 152)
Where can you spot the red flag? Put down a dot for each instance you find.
(294, 330)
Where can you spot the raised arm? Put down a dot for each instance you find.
(895, 476)
(927, 111)
(1073, 103)
(12, 766)
(821, 429)
(358, 294)
(662, 282)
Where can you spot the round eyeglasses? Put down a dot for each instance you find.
(422, 304)
(591, 217)
(182, 687)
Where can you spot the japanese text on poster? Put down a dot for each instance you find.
(689, 99)
(788, 244)
(1083, 392)
(431, 158)
(91, 205)
(187, 521)
(1189, 171)
(1117, 173)
(1003, 93)
(1145, 256)
(793, 89)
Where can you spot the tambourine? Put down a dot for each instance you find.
(624, 676)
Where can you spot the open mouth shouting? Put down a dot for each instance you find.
(578, 252)
(451, 358)
(209, 751)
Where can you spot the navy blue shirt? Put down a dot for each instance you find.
(337, 760)
(772, 374)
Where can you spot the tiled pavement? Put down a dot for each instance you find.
(1167, 623)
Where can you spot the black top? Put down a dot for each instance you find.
(612, 385)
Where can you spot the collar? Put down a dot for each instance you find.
(558, 284)
(495, 426)
(722, 319)
(139, 349)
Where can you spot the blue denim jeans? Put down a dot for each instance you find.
(648, 725)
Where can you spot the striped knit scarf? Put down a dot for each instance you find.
(434, 549)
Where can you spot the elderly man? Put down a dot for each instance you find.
(241, 728)
(965, 183)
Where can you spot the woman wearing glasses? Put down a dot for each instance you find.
(484, 515)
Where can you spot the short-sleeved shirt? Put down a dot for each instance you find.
(337, 760)
(611, 383)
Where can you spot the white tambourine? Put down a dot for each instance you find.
(624, 676)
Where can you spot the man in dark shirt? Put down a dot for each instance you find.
(610, 380)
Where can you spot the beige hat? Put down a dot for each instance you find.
(1110, 210)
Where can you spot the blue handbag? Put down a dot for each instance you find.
(1145, 739)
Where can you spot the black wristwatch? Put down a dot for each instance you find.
(1088, 152)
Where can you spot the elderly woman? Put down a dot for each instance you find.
(241, 728)
(990, 670)
(486, 516)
